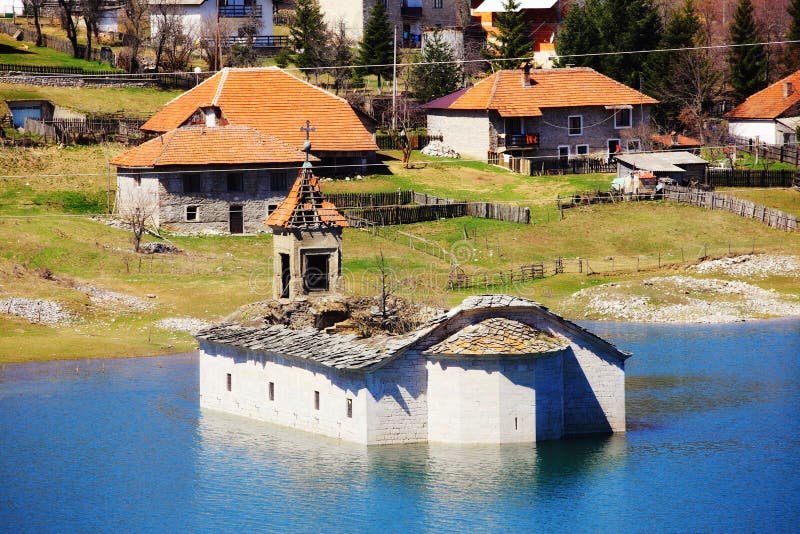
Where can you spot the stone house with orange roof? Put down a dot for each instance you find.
(206, 178)
(278, 104)
(542, 113)
(770, 116)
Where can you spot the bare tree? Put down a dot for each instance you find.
(35, 8)
(387, 291)
(215, 41)
(134, 24)
(341, 55)
(137, 211)
(173, 40)
(91, 11)
(68, 11)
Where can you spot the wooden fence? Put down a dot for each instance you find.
(783, 153)
(401, 207)
(541, 166)
(595, 197)
(483, 210)
(749, 178)
(416, 141)
(717, 201)
(369, 200)
(71, 130)
(458, 279)
(49, 41)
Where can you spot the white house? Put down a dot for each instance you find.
(770, 116)
(197, 13)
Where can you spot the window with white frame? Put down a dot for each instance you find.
(634, 145)
(582, 150)
(563, 151)
(623, 118)
(575, 124)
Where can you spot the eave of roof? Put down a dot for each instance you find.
(769, 103)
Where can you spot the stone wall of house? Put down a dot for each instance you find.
(397, 404)
(295, 382)
(213, 201)
(466, 132)
(495, 400)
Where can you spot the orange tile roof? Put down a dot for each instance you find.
(304, 207)
(274, 102)
(769, 103)
(504, 92)
(681, 140)
(201, 145)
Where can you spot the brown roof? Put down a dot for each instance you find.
(498, 335)
(504, 92)
(274, 102)
(769, 103)
(304, 207)
(200, 145)
(678, 140)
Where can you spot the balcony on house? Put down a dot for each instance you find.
(411, 9)
(240, 10)
(518, 141)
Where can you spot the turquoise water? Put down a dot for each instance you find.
(713, 445)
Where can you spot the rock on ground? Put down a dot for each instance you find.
(684, 299)
(439, 149)
(113, 299)
(183, 324)
(37, 311)
(761, 265)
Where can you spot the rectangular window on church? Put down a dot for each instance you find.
(271, 391)
(230, 382)
(316, 400)
(350, 408)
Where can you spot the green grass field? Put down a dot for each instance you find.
(46, 192)
(14, 52)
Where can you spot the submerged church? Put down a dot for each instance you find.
(496, 369)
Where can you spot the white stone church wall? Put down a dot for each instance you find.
(397, 404)
(295, 383)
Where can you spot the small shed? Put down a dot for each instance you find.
(683, 167)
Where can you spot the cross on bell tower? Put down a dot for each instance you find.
(307, 145)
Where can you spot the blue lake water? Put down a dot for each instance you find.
(713, 444)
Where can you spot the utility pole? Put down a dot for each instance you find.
(219, 45)
(394, 82)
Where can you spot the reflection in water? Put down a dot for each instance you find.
(122, 446)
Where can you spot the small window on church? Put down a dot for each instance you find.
(350, 408)
(230, 382)
(316, 400)
(271, 391)
(191, 213)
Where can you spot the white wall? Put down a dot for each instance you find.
(193, 17)
(295, 382)
(765, 130)
(144, 196)
(466, 132)
(350, 11)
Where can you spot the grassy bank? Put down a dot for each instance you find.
(50, 250)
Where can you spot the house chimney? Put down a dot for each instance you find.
(673, 137)
(788, 89)
(526, 74)
(211, 117)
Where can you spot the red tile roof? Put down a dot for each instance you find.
(678, 141)
(504, 92)
(201, 145)
(304, 207)
(274, 102)
(769, 103)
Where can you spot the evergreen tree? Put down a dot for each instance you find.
(682, 31)
(308, 35)
(793, 51)
(611, 26)
(514, 40)
(376, 45)
(748, 63)
(437, 75)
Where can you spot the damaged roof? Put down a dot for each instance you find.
(304, 207)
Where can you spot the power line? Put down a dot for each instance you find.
(414, 63)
